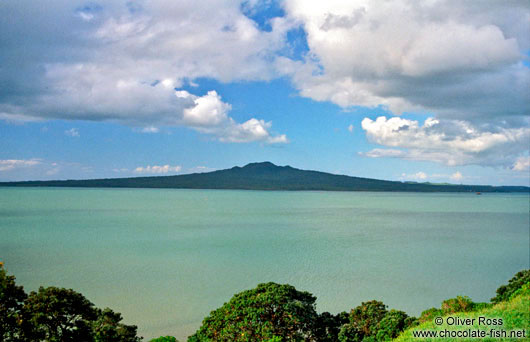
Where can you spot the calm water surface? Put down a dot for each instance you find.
(166, 258)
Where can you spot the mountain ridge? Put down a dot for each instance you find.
(267, 176)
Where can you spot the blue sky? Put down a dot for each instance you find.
(132, 88)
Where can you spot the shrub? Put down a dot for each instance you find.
(392, 324)
(429, 315)
(164, 339)
(458, 304)
(505, 291)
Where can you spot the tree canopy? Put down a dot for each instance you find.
(54, 314)
(12, 299)
(270, 311)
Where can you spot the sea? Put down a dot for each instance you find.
(165, 258)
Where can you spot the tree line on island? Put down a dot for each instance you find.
(270, 313)
(267, 176)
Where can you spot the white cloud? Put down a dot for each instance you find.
(382, 153)
(457, 176)
(128, 62)
(456, 58)
(208, 110)
(209, 114)
(417, 176)
(72, 132)
(522, 164)
(150, 129)
(461, 62)
(157, 169)
(11, 164)
(448, 142)
(422, 176)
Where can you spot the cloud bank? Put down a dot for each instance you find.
(461, 62)
(121, 62)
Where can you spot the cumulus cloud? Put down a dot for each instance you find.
(522, 164)
(448, 56)
(421, 176)
(416, 176)
(157, 169)
(72, 132)
(448, 142)
(121, 62)
(461, 62)
(209, 114)
(12, 164)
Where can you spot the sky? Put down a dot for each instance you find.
(427, 91)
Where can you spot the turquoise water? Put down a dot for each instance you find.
(166, 258)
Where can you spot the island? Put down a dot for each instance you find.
(267, 176)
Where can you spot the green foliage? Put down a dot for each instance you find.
(57, 314)
(107, 328)
(524, 290)
(505, 291)
(371, 322)
(429, 315)
(349, 333)
(366, 317)
(458, 304)
(11, 301)
(392, 324)
(269, 311)
(514, 314)
(327, 326)
(165, 339)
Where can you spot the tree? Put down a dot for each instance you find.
(107, 328)
(363, 322)
(268, 312)
(392, 324)
(328, 326)
(11, 302)
(367, 316)
(348, 333)
(57, 314)
(164, 339)
(505, 291)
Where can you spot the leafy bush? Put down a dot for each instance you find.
(327, 326)
(269, 311)
(367, 316)
(371, 322)
(429, 315)
(164, 339)
(11, 301)
(458, 304)
(107, 328)
(505, 291)
(392, 324)
(348, 333)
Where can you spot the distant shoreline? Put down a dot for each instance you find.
(266, 176)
